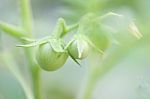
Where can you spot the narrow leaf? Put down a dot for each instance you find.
(74, 59)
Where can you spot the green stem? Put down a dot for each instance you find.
(26, 16)
(36, 82)
(69, 29)
(12, 30)
(35, 73)
(61, 29)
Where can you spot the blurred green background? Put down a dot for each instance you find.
(129, 79)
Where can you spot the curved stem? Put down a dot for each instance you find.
(61, 29)
(70, 28)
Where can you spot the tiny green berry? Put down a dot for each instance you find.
(49, 59)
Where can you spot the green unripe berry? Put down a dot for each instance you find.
(49, 59)
(79, 48)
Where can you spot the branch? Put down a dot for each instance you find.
(12, 30)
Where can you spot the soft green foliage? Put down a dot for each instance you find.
(91, 27)
(91, 38)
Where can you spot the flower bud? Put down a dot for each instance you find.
(49, 59)
(79, 48)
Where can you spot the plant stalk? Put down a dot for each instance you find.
(26, 16)
(27, 23)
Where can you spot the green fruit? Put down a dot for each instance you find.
(79, 48)
(49, 59)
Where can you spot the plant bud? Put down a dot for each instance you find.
(49, 59)
(79, 48)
